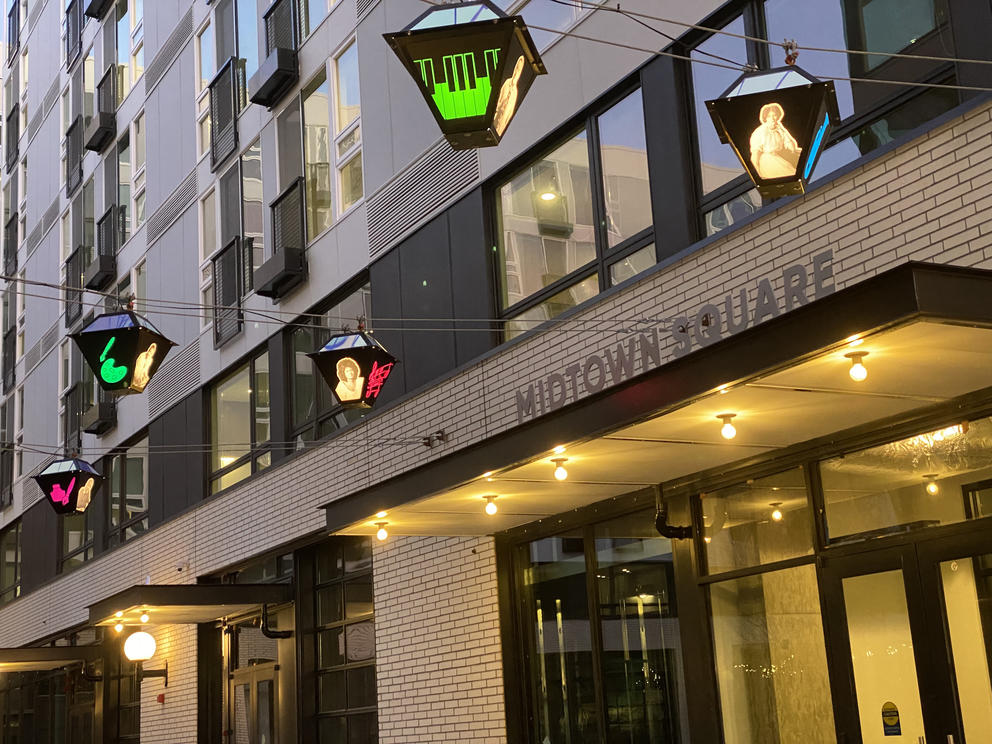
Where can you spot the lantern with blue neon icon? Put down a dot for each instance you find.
(123, 349)
(355, 366)
(69, 484)
(778, 122)
(473, 64)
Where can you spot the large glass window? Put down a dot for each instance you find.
(344, 642)
(316, 153)
(312, 12)
(252, 203)
(77, 540)
(553, 232)
(123, 38)
(240, 424)
(127, 491)
(315, 413)
(934, 478)
(10, 562)
(347, 128)
(635, 655)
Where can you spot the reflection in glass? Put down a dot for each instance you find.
(562, 687)
(761, 521)
(735, 210)
(921, 481)
(265, 715)
(770, 659)
(242, 704)
(316, 154)
(252, 202)
(717, 162)
(642, 669)
(231, 419)
(882, 653)
(632, 265)
(552, 307)
(546, 228)
(967, 596)
(625, 169)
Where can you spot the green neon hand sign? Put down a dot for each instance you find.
(109, 371)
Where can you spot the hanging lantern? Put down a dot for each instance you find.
(474, 65)
(123, 349)
(778, 122)
(68, 485)
(355, 366)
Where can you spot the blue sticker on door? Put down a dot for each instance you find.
(890, 720)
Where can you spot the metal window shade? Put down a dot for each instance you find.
(13, 30)
(73, 278)
(280, 26)
(174, 380)
(9, 349)
(223, 114)
(74, 156)
(74, 31)
(10, 246)
(73, 402)
(288, 220)
(106, 91)
(106, 233)
(13, 122)
(228, 280)
(169, 51)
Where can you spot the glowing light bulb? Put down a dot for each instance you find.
(559, 449)
(707, 539)
(381, 533)
(144, 617)
(139, 646)
(776, 512)
(560, 472)
(119, 627)
(380, 514)
(549, 196)
(858, 371)
(491, 507)
(932, 488)
(728, 430)
(119, 613)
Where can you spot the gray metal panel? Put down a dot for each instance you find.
(175, 205)
(169, 51)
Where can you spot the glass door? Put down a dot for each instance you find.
(910, 639)
(253, 700)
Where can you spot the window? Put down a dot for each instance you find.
(208, 245)
(24, 90)
(89, 86)
(127, 493)
(124, 187)
(123, 38)
(626, 644)
(317, 165)
(239, 424)
(138, 137)
(138, 62)
(557, 243)
(344, 642)
(247, 17)
(206, 68)
(347, 128)
(253, 204)
(315, 413)
(312, 12)
(77, 540)
(10, 562)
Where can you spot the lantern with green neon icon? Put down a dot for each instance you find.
(473, 64)
(123, 349)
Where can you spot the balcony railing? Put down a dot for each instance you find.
(13, 134)
(279, 71)
(224, 107)
(74, 287)
(103, 126)
(10, 246)
(288, 267)
(229, 288)
(13, 30)
(9, 359)
(74, 156)
(73, 31)
(103, 268)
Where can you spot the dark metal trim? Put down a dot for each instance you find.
(909, 292)
(51, 654)
(165, 595)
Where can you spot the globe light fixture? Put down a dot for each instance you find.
(776, 512)
(858, 371)
(491, 507)
(932, 488)
(473, 65)
(381, 534)
(139, 646)
(728, 430)
(560, 472)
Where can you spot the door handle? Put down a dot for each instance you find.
(950, 739)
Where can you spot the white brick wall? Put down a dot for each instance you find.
(439, 668)
(926, 201)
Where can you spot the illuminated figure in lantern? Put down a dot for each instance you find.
(60, 496)
(774, 152)
(507, 102)
(85, 495)
(109, 369)
(142, 367)
(350, 382)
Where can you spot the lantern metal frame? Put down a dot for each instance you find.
(57, 472)
(367, 354)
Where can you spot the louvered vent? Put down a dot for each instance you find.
(34, 125)
(169, 52)
(32, 358)
(36, 9)
(31, 493)
(51, 97)
(40, 350)
(49, 340)
(418, 193)
(51, 215)
(175, 379)
(364, 6)
(35, 236)
(175, 205)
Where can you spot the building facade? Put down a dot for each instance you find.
(740, 452)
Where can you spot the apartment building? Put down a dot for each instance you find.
(662, 461)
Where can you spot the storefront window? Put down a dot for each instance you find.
(934, 478)
(770, 659)
(239, 424)
(630, 649)
(761, 521)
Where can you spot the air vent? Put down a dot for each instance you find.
(175, 379)
(51, 97)
(175, 205)
(364, 6)
(51, 215)
(35, 236)
(418, 193)
(169, 52)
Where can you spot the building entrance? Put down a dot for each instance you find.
(909, 632)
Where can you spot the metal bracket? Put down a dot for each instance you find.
(435, 438)
(163, 673)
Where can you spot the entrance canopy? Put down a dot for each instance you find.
(178, 604)
(927, 331)
(46, 658)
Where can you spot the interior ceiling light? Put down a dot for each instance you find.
(932, 488)
(119, 627)
(549, 196)
(381, 533)
(728, 430)
(560, 472)
(491, 507)
(380, 514)
(144, 617)
(776, 512)
(559, 449)
(858, 372)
